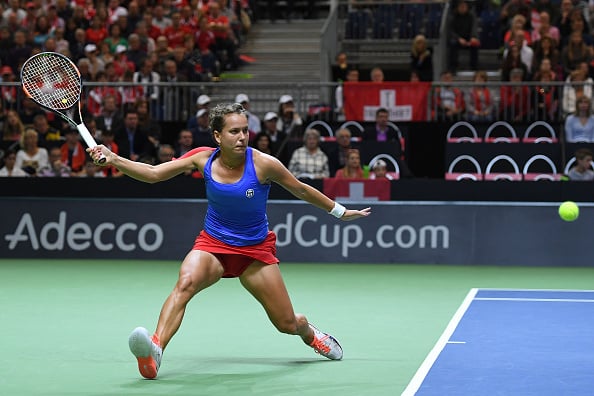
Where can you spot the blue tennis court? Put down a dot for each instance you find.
(513, 342)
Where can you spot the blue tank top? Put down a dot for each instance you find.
(236, 212)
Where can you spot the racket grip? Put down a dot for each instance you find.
(89, 140)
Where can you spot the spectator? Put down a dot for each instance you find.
(545, 48)
(42, 31)
(162, 53)
(160, 20)
(262, 142)
(185, 143)
(289, 121)
(201, 132)
(146, 122)
(78, 44)
(341, 68)
(575, 53)
(195, 64)
(463, 34)
(546, 29)
(421, 58)
(108, 140)
(582, 170)
(115, 38)
(578, 25)
(165, 153)
(31, 158)
(309, 161)
(224, 38)
(254, 123)
(203, 102)
(515, 98)
(513, 8)
(133, 143)
(380, 171)
(73, 153)
(381, 131)
(29, 110)
(579, 126)
(545, 96)
(337, 154)
(110, 118)
(92, 170)
(149, 78)
(513, 60)
(176, 32)
(9, 169)
(517, 32)
(48, 136)
(135, 53)
(526, 52)
(278, 138)
(352, 168)
(97, 32)
(173, 98)
(577, 84)
(479, 100)
(12, 130)
(98, 93)
(351, 76)
(376, 75)
(448, 100)
(19, 52)
(62, 45)
(143, 40)
(56, 166)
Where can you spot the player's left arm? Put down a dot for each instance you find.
(275, 171)
(150, 173)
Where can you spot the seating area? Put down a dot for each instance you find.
(501, 151)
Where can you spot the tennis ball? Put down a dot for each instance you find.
(569, 211)
(64, 100)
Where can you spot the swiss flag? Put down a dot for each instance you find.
(357, 189)
(405, 101)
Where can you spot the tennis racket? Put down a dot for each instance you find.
(53, 81)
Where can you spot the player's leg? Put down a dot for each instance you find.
(198, 271)
(265, 283)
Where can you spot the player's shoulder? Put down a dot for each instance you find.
(263, 159)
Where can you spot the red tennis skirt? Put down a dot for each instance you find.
(235, 259)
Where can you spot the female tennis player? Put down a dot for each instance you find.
(236, 241)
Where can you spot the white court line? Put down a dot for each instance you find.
(417, 379)
(572, 300)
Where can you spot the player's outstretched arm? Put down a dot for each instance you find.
(279, 174)
(145, 172)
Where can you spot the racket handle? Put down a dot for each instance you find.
(89, 140)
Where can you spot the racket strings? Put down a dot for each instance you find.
(51, 81)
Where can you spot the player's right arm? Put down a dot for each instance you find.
(146, 172)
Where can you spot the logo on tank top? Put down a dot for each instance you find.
(249, 193)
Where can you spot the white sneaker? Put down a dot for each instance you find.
(325, 344)
(147, 350)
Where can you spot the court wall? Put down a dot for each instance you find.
(467, 233)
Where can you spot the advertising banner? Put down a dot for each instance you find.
(404, 100)
(458, 233)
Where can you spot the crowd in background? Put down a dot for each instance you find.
(134, 41)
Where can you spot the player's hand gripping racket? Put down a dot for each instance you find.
(53, 81)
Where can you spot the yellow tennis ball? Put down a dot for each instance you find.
(569, 211)
(64, 100)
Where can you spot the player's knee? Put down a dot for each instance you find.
(186, 286)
